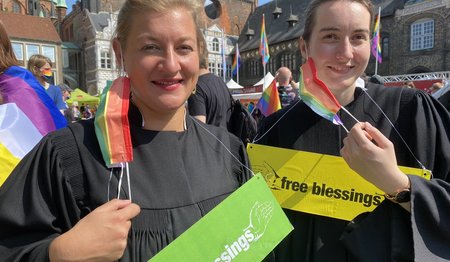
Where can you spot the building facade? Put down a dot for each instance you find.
(32, 35)
(415, 37)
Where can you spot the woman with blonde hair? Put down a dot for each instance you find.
(177, 168)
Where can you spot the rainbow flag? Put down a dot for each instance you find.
(264, 45)
(376, 43)
(111, 123)
(19, 86)
(316, 94)
(18, 135)
(237, 61)
(270, 100)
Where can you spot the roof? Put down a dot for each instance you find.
(70, 45)
(277, 30)
(100, 20)
(29, 27)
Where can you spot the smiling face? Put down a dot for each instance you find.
(162, 60)
(339, 45)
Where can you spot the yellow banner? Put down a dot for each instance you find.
(316, 183)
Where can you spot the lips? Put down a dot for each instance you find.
(168, 85)
(341, 69)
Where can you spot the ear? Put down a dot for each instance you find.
(118, 52)
(303, 47)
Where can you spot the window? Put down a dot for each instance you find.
(215, 45)
(16, 7)
(422, 35)
(18, 51)
(288, 60)
(32, 50)
(272, 65)
(253, 68)
(385, 47)
(219, 70)
(105, 59)
(49, 51)
(212, 67)
(65, 58)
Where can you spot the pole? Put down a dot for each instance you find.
(378, 35)
(237, 62)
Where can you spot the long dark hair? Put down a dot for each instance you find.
(7, 57)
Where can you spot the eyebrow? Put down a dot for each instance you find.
(327, 29)
(152, 38)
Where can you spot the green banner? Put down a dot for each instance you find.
(246, 226)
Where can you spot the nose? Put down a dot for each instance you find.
(171, 62)
(345, 50)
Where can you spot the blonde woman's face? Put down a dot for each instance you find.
(161, 59)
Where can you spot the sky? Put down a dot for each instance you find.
(69, 3)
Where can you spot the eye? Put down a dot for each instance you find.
(330, 37)
(150, 47)
(360, 38)
(186, 48)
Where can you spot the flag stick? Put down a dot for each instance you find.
(376, 59)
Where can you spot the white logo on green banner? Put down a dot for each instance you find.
(246, 226)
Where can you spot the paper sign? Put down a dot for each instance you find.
(246, 226)
(316, 183)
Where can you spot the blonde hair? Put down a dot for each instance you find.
(36, 62)
(131, 7)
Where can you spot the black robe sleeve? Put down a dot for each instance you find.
(423, 234)
(30, 219)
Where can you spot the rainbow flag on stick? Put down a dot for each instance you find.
(376, 43)
(237, 62)
(270, 100)
(264, 45)
(316, 94)
(112, 127)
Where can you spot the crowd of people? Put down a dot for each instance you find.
(67, 201)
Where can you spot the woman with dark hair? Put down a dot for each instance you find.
(398, 126)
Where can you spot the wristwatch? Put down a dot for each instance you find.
(401, 196)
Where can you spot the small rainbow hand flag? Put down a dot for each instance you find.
(316, 94)
(270, 100)
(111, 123)
(19, 86)
(376, 43)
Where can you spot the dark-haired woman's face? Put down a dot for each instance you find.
(340, 43)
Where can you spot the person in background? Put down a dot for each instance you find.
(435, 87)
(211, 102)
(286, 92)
(409, 84)
(180, 168)
(397, 126)
(66, 91)
(41, 67)
(76, 111)
(26, 112)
